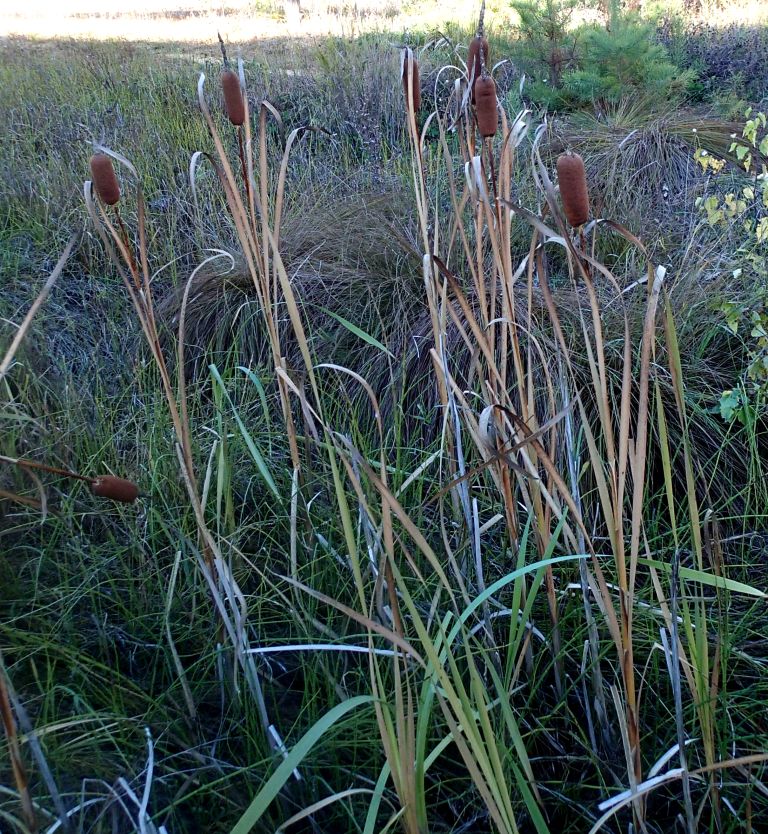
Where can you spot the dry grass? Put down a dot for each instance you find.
(639, 162)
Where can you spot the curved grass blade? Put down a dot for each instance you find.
(258, 458)
(297, 754)
(361, 334)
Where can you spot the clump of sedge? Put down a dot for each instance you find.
(409, 59)
(233, 97)
(485, 106)
(104, 179)
(118, 489)
(573, 188)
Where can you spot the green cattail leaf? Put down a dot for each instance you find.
(258, 458)
(378, 795)
(705, 578)
(259, 387)
(294, 758)
(353, 328)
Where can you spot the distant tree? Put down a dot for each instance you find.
(545, 30)
(623, 60)
(592, 63)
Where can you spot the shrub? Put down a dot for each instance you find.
(736, 207)
(729, 60)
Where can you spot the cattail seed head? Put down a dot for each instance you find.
(485, 106)
(573, 188)
(478, 47)
(233, 97)
(410, 59)
(118, 489)
(104, 179)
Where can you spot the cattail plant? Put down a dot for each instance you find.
(485, 106)
(477, 58)
(411, 82)
(118, 489)
(573, 188)
(233, 97)
(104, 179)
(235, 107)
(105, 486)
(477, 55)
(107, 188)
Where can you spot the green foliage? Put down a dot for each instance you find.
(593, 63)
(545, 30)
(623, 60)
(742, 209)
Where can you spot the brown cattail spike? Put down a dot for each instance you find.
(477, 58)
(409, 60)
(104, 179)
(233, 97)
(573, 188)
(485, 106)
(118, 489)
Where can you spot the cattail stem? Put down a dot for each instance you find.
(582, 250)
(488, 143)
(223, 51)
(17, 765)
(129, 249)
(105, 486)
(243, 166)
(32, 464)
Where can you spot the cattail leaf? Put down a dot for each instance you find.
(23, 328)
(720, 582)
(319, 805)
(258, 458)
(293, 759)
(193, 163)
(353, 328)
(378, 795)
(118, 156)
(409, 71)
(259, 387)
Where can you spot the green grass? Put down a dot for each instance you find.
(346, 524)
